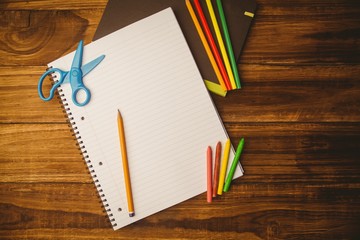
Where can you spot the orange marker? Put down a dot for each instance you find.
(209, 174)
(216, 169)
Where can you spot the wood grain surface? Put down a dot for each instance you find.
(299, 111)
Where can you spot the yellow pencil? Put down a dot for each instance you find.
(205, 43)
(221, 44)
(125, 165)
(224, 163)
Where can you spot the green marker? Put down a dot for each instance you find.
(234, 165)
(228, 43)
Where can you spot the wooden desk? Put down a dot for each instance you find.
(299, 111)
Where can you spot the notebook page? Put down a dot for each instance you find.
(149, 74)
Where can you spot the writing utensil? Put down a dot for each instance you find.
(205, 44)
(216, 169)
(212, 44)
(228, 43)
(221, 43)
(209, 174)
(224, 163)
(234, 165)
(125, 165)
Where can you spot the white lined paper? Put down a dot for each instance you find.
(149, 75)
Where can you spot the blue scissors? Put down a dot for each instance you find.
(74, 76)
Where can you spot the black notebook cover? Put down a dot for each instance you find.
(119, 14)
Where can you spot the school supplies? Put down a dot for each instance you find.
(224, 164)
(228, 43)
(125, 165)
(238, 22)
(221, 43)
(118, 14)
(234, 165)
(216, 169)
(209, 174)
(206, 47)
(74, 76)
(151, 76)
(212, 44)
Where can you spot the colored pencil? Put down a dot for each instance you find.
(228, 43)
(221, 43)
(205, 44)
(212, 44)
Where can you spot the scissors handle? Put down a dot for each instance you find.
(53, 88)
(77, 86)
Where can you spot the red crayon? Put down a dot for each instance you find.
(213, 45)
(209, 174)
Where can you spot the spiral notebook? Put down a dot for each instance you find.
(149, 74)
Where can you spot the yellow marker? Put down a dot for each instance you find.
(224, 163)
(249, 14)
(205, 43)
(215, 88)
(221, 44)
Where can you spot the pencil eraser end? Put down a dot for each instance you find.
(131, 214)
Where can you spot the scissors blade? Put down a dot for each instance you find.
(87, 67)
(91, 65)
(77, 62)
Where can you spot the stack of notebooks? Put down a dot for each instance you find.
(151, 74)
